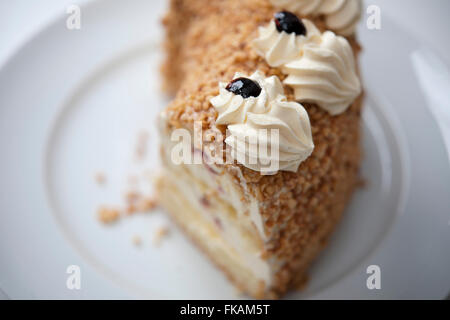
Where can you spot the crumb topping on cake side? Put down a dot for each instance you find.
(210, 56)
(299, 209)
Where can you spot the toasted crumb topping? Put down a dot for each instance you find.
(137, 240)
(141, 145)
(108, 215)
(100, 178)
(138, 202)
(207, 43)
(206, 54)
(160, 234)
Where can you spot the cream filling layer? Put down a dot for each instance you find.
(223, 207)
(217, 218)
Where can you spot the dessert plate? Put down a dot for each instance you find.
(72, 103)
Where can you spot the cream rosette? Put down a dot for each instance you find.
(325, 74)
(341, 16)
(233, 108)
(251, 121)
(278, 47)
(324, 70)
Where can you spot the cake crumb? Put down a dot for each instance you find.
(130, 209)
(108, 215)
(137, 241)
(141, 145)
(137, 202)
(301, 283)
(239, 292)
(362, 183)
(147, 204)
(161, 233)
(132, 196)
(100, 178)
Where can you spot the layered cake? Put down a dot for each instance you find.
(278, 74)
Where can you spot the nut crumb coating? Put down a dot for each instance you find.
(208, 41)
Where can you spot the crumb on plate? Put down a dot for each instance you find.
(137, 202)
(108, 215)
(141, 145)
(161, 233)
(100, 178)
(137, 241)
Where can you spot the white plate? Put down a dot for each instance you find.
(72, 103)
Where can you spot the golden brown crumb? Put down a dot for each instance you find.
(161, 233)
(301, 283)
(137, 202)
(362, 183)
(130, 209)
(100, 178)
(108, 215)
(137, 241)
(146, 204)
(141, 145)
(299, 209)
(238, 292)
(132, 196)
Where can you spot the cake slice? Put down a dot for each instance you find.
(262, 227)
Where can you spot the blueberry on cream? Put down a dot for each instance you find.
(244, 87)
(281, 41)
(289, 23)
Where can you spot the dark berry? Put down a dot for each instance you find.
(288, 22)
(244, 87)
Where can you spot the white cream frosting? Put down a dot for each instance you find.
(325, 74)
(247, 119)
(322, 72)
(340, 15)
(279, 48)
(233, 108)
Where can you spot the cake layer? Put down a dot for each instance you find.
(217, 204)
(246, 273)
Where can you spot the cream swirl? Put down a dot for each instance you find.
(265, 138)
(341, 16)
(322, 72)
(278, 47)
(234, 108)
(325, 74)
